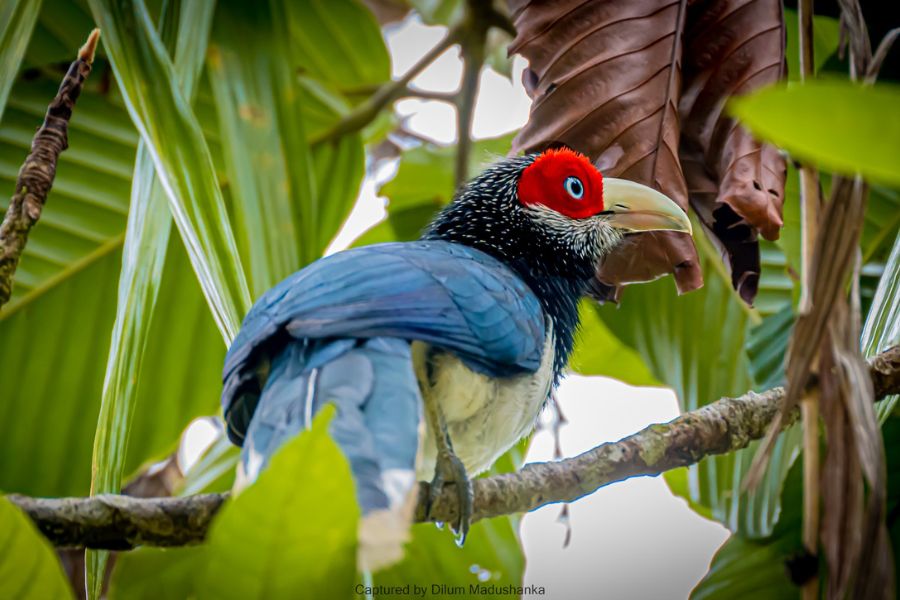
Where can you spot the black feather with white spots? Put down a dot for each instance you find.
(554, 254)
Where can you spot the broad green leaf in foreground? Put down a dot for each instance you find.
(143, 259)
(836, 125)
(29, 569)
(293, 532)
(17, 19)
(181, 155)
(154, 573)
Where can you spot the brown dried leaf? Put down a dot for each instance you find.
(605, 80)
(736, 184)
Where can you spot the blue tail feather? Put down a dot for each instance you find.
(373, 386)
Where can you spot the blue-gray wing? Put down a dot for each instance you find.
(448, 295)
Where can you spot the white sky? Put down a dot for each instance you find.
(630, 540)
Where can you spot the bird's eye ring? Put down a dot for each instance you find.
(574, 187)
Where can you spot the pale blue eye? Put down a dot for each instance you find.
(574, 187)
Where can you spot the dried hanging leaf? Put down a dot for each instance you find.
(736, 184)
(605, 80)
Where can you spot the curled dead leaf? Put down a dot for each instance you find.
(607, 80)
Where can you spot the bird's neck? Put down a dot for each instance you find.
(559, 298)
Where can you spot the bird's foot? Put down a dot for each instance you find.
(449, 468)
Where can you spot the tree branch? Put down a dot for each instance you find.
(36, 175)
(363, 114)
(122, 522)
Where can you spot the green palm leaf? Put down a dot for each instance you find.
(180, 153)
(143, 259)
(17, 20)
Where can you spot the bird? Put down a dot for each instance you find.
(439, 353)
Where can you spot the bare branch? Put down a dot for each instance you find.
(121, 522)
(363, 114)
(887, 42)
(116, 522)
(37, 173)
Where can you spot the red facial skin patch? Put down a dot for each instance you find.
(548, 181)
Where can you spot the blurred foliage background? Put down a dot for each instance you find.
(230, 121)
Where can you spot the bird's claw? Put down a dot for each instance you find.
(449, 468)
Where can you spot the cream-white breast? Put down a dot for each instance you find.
(485, 415)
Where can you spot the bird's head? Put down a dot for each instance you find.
(552, 214)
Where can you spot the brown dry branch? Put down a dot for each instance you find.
(853, 478)
(37, 173)
(810, 207)
(120, 522)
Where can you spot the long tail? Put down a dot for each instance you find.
(377, 426)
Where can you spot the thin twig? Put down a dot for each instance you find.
(478, 18)
(118, 522)
(366, 112)
(37, 173)
(412, 92)
(887, 42)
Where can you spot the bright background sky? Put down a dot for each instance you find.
(630, 540)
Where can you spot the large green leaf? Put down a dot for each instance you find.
(337, 42)
(64, 297)
(50, 411)
(261, 543)
(29, 569)
(837, 125)
(244, 71)
(746, 568)
(155, 573)
(17, 20)
(180, 153)
(143, 260)
(65, 290)
(599, 352)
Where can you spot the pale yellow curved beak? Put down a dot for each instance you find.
(634, 207)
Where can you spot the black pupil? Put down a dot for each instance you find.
(575, 185)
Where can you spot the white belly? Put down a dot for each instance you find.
(485, 416)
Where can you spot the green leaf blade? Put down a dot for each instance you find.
(260, 545)
(837, 125)
(143, 260)
(17, 21)
(30, 569)
(181, 155)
